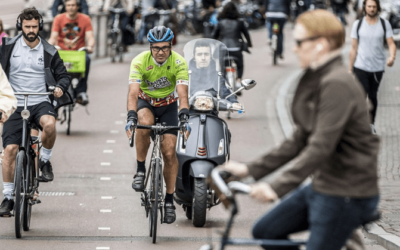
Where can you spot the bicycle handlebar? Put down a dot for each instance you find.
(51, 88)
(159, 129)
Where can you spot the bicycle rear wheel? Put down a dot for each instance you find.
(275, 57)
(114, 46)
(154, 208)
(19, 192)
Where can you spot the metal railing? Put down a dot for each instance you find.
(100, 29)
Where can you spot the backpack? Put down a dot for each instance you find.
(383, 26)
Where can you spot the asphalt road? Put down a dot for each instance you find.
(91, 205)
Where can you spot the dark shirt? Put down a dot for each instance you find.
(165, 5)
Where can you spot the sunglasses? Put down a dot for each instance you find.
(300, 41)
(157, 49)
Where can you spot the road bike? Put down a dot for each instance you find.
(117, 47)
(26, 176)
(152, 198)
(226, 185)
(75, 63)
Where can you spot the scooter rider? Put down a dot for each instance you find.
(157, 79)
(31, 65)
(203, 69)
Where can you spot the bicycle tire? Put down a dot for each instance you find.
(19, 192)
(30, 186)
(68, 118)
(114, 47)
(154, 208)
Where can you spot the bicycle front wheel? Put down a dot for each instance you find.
(68, 110)
(19, 192)
(30, 185)
(154, 208)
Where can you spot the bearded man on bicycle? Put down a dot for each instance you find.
(157, 79)
(31, 65)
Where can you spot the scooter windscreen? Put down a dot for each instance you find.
(207, 59)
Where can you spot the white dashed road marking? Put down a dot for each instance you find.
(114, 131)
(104, 228)
(105, 178)
(102, 248)
(105, 164)
(110, 141)
(118, 122)
(105, 210)
(106, 197)
(107, 151)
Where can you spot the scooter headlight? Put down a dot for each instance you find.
(203, 103)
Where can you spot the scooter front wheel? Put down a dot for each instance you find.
(199, 204)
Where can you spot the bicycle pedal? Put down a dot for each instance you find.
(40, 179)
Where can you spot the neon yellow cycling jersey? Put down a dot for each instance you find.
(158, 81)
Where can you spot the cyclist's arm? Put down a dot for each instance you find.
(246, 34)
(182, 91)
(353, 53)
(8, 102)
(133, 96)
(215, 33)
(90, 41)
(60, 74)
(53, 38)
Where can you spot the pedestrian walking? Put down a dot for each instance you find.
(367, 54)
(332, 142)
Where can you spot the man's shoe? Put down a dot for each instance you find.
(6, 207)
(82, 98)
(138, 181)
(47, 171)
(169, 211)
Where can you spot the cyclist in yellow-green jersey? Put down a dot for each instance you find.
(157, 79)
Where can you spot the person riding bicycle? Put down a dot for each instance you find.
(157, 79)
(8, 102)
(69, 32)
(31, 65)
(332, 143)
(277, 11)
(229, 30)
(125, 17)
(204, 71)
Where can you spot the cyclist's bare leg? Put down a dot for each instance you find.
(48, 124)
(10, 152)
(145, 117)
(170, 161)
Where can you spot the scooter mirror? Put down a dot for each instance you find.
(248, 84)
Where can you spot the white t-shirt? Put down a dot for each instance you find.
(371, 55)
(27, 72)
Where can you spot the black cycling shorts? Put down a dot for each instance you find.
(167, 114)
(12, 130)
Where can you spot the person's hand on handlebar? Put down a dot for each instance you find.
(263, 192)
(236, 168)
(237, 106)
(183, 115)
(58, 92)
(130, 121)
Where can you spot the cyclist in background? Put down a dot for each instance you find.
(169, 5)
(277, 11)
(128, 6)
(157, 79)
(59, 7)
(69, 32)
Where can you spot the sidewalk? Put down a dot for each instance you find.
(387, 230)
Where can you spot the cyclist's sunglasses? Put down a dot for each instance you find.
(300, 41)
(157, 49)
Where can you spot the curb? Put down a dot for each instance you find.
(282, 105)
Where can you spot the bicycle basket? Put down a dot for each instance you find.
(74, 61)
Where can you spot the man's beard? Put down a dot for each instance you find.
(30, 39)
(372, 15)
